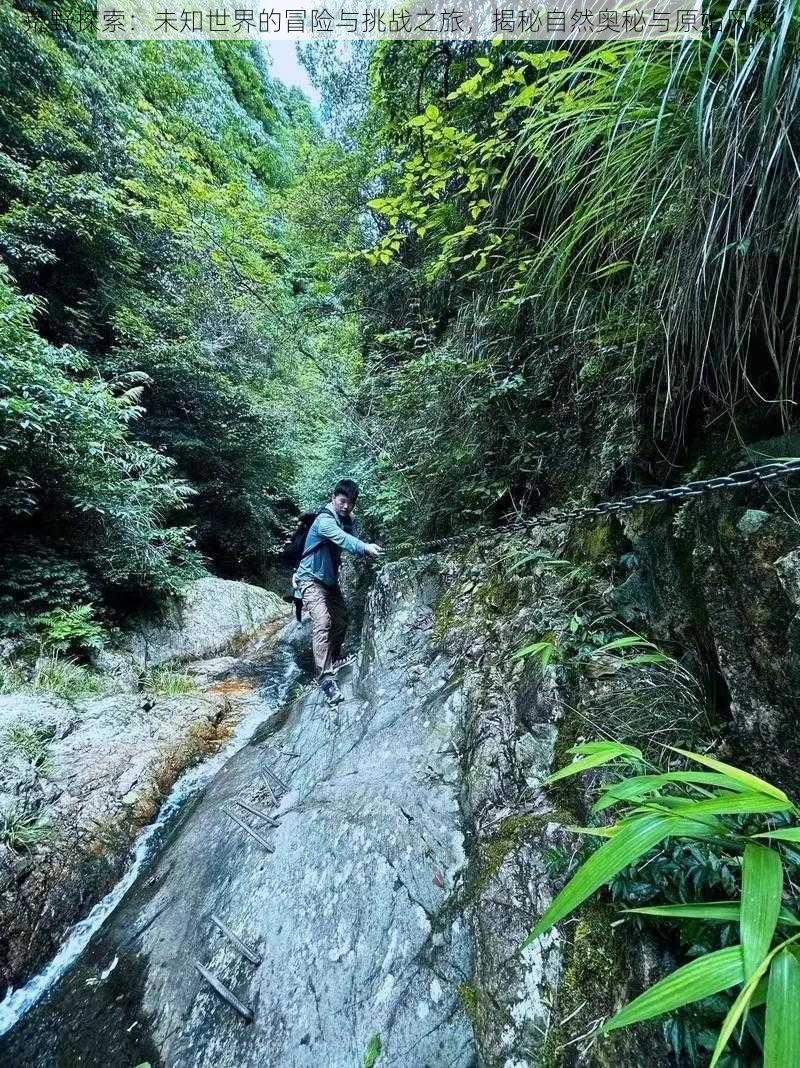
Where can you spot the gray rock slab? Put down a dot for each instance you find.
(349, 912)
(211, 614)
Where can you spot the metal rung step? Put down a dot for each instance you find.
(244, 949)
(223, 992)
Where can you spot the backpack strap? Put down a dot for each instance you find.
(320, 544)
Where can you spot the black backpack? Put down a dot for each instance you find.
(293, 553)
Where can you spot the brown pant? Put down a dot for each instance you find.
(326, 607)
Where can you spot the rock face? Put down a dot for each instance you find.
(359, 906)
(88, 774)
(211, 614)
(384, 862)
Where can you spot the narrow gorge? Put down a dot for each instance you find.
(403, 844)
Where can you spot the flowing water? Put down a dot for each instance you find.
(330, 844)
(276, 676)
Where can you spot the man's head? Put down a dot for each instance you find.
(344, 497)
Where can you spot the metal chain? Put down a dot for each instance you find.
(745, 477)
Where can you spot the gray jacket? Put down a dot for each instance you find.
(331, 534)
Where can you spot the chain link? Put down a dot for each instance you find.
(747, 476)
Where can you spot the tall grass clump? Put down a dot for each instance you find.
(655, 191)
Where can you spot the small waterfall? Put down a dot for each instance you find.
(278, 676)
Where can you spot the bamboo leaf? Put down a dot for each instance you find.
(743, 999)
(594, 760)
(744, 777)
(782, 1032)
(637, 785)
(762, 885)
(725, 911)
(753, 993)
(700, 979)
(623, 643)
(628, 844)
(785, 834)
(604, 747)
(734, 803)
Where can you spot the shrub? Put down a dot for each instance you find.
(73, 473)
(167, 683)
(65, 678)
(737, 817)
(71, 629)
(12, 678)
(29, 744)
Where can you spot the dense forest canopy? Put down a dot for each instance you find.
(169, 222)
(484, 276)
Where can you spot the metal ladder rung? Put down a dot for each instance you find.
(223, 992)
(250, 830)
(244, 949)
(256, 812)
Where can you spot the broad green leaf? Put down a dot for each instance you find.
(604, 747)
(753, 993)
(725, 911)
(782, 1031)
(751, 781)
(743, 1000)
(373, 1052)
(594, 760)
(762, 885)
(649, 658)
(700, 979)
(784, 834)
(735, 803)
(624, 643)
(628, 844)
(543, 648)
(637, 785)
(759, 994)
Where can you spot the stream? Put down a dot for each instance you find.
(328, 844)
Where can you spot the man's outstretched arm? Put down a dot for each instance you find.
(329, 528)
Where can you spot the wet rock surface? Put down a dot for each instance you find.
(397, 850)
(345, 912)
(356, 891)
(87, 774)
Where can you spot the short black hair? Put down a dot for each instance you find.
(346, 486)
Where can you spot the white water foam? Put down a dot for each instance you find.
(18, 1002)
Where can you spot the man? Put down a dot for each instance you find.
(317, 580)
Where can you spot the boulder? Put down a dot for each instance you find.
(211, 614)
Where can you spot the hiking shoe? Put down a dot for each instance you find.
(333, 695)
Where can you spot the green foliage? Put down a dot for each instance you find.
(723, 811)
(545, 651)
(29, 744)
(12, 677)
(373, 1052)
(537, 216)
(159, 209)
(166, 682)
(65, 677)
(23, 831)
(74, 477)
(71, 629)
